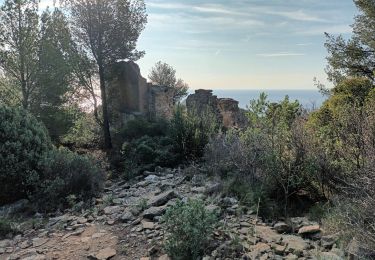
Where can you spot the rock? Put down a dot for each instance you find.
(244, 231)
(19, 206)
(282, 227)
(330, 256)
(164, 257)
(25, 244)
(213, 188)
(39, 241)
(162, 198)
(353, 250)
(152, 212)
(103, 254)
(227, 201)
(5, 243)
(291, 257)
(127, 217)
(112, 210)
(309, 229)
(258, 249)
(82, 220)
(148, 225)
(295, 244)
(198, 189)
(267, 234)
(279, 249)
(152, 178)
(35, 257)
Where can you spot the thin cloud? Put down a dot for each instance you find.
(299, 15)
(280, 54)
(304, 44)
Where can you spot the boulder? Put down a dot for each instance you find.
(295, 244)
(103, 254)
(148, 225)
(152, 212)
(328, 241)
(112, 210)
(309, 229)
(282, 227)
(127, 216)
(161, 199)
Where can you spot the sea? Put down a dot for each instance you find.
(309, 98)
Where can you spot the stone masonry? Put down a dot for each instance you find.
(129, 95)
(225, 109)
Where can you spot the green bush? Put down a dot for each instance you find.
(146, 153)
(85, 133)
(137, 128)
(7, 228)
(188, 226)
(23, 147)
(191, 132)
(67, 174)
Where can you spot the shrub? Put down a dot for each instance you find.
(7, 228)
(85, 133)
(23, 147)
(139, 127)
(188, 226)
(146, 153)
(191, 132)
(67, 174)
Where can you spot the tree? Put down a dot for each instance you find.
(109, 31)
(19, 44)
(165, 75)
(55, 82)
(356, 56)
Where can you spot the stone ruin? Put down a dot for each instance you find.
(226, 110)
(130, 96)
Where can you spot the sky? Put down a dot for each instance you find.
(244, 44)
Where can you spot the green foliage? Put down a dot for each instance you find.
(22, 152)
(7, 228)
(188, 226)
(355, 56)
(163, 74)
(137, 128)
(55, 81)
(19, 23)
(250, 195)
(191, 132)
(85, 133)
(146, 153)
(67, 174)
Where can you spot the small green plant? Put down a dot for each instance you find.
(188, 226)
(142, 204)
(108, 200)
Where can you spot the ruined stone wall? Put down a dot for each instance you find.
(129, 95)
(226, 110)
(160, 101)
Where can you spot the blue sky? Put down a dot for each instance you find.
(270, 44)
(242, 44)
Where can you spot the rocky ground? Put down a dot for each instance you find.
(124, 224)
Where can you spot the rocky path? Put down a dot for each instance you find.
(125, 225)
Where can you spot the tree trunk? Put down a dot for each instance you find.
(107, 133)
